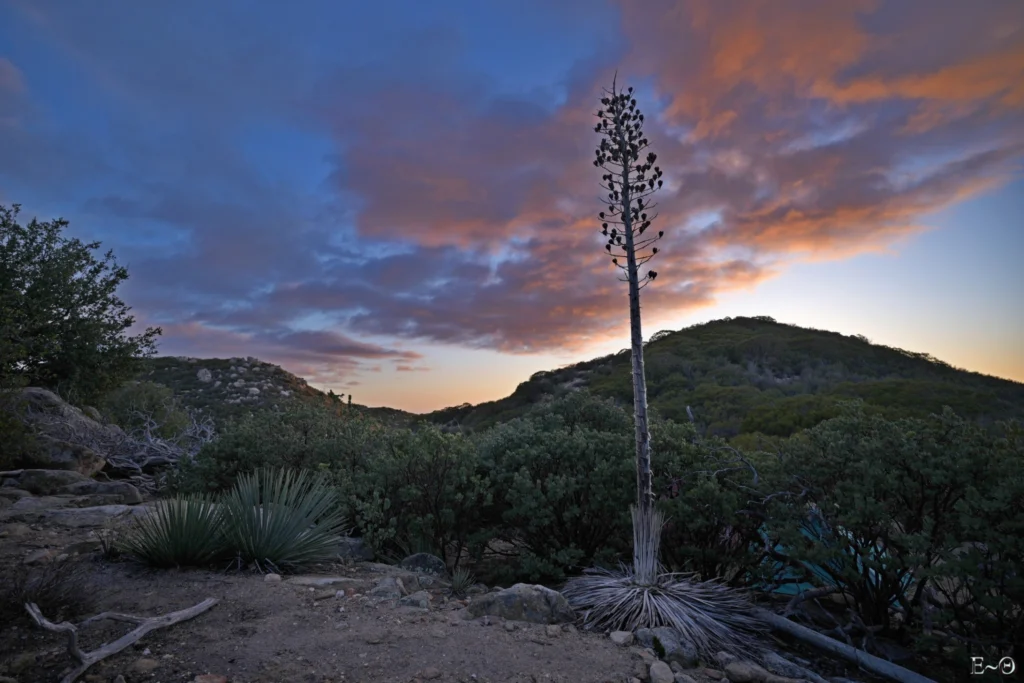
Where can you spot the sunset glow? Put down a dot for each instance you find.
(398, 201)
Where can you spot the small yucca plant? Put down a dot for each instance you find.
(462, 580)
(282, 520)
(184, 531)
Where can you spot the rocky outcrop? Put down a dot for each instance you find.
(68, 438)
(70, 483)
(524, 602)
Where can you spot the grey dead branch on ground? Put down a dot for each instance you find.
(145, 625)
(868, 662)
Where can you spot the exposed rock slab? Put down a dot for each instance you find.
(524, 602)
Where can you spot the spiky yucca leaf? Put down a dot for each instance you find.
(282, 520)
(462, 580)
(710, 615)
(184, 531)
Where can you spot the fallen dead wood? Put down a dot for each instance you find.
(868, 662)
(145, 625)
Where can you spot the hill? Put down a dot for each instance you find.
(224, 388)
(737, 375)
(755, 375)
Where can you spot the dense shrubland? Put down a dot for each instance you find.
(918, 521)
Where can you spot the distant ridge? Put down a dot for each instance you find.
(755, 375)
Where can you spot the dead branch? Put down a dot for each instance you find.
(145, 625)
(133, 455)
(868, 662)
(812, 594)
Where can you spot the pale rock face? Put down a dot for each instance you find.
(204, 375)
(253, 391)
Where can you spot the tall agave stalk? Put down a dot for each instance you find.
(711, 616)
(629, 183)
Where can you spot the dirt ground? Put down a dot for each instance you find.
(286, 631)
(291, 631)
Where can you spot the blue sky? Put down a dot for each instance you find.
(396, 200)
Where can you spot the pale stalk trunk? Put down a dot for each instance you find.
(644, 564)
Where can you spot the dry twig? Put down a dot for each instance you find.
(145, 625)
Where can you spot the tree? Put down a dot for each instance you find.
(713, 617)
(62, 326)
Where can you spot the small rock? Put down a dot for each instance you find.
(510, 626)
(374, 639)
(713, 674)
(430, 673)
(41, 556)
(210, 678)
(204, 375)
(145, 666)
(83, 547)
(661, 673)
(683, 678)
(119, 679)
(621, 638)
(272, 578)
(419, 599)
(640, 671)
(553, 630)
(426, 563)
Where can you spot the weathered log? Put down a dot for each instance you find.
(868, 662)
(145, 625)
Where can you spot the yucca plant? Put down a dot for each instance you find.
(462, 580)
(184, 531)
(282, 520)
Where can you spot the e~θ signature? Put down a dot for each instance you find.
(1005, 666)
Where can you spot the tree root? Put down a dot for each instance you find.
(145, 625)
(868, 662)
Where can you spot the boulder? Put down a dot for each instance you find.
(388, 588)
(523, 602)
(677, 647)
(121, 491)
(425, 563)
(420, 599)
(204, 375)
(49, 482)
(93, 516)
(67, 436)
(58, 454)
(353, 548)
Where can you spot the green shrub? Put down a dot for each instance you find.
(282, 520)
(894, 501)
(133, 404)
(301, 436)
(424, 493)
(184, 531)
(562, 482)
(59, 588)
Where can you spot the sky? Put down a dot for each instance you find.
(396, 200)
